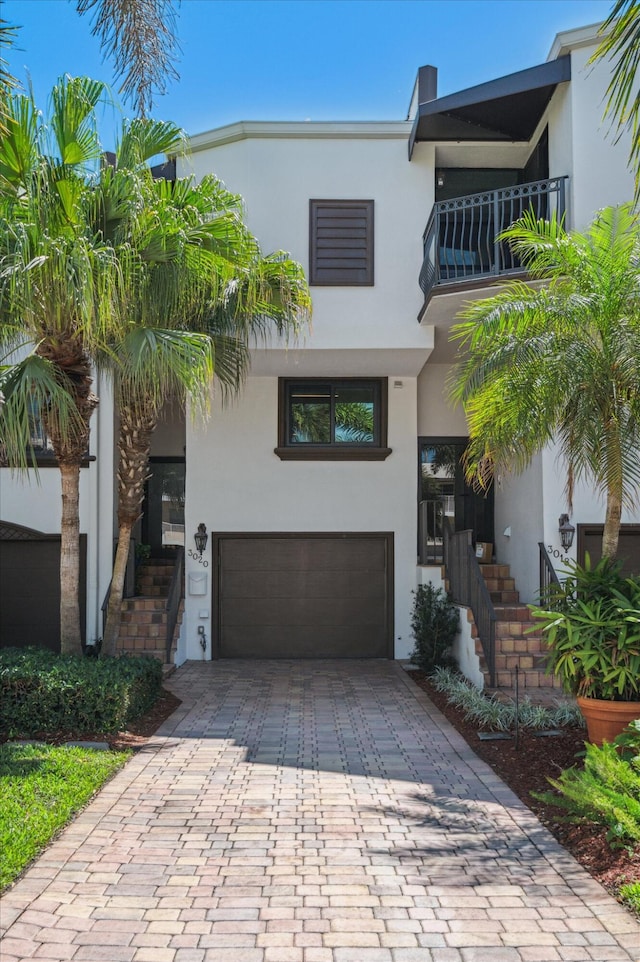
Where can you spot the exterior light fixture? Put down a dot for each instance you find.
(566, 530)
(201, 537)
(440, 179)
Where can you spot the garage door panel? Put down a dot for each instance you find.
(304, 596)
(30, 592)
(315, 642)
(302, 584)
(293, 554)
(304, 612)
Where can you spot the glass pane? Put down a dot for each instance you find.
(309, 414)
(355, 414)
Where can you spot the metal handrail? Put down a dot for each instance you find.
(460, 241)
(548, 577)
(432, 522)
(468, 588)
(173, 601)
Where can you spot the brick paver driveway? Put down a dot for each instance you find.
(309, 812)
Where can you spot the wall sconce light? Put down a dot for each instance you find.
(201, 537)
(566, 530)
(440, 179)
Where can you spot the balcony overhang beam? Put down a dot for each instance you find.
(504, 110)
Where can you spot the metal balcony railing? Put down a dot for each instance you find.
(461, 242)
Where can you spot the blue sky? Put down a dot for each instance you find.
(307, 59)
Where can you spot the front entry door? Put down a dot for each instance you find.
(163, 509)
(445, 498)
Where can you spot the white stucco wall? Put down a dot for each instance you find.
(277, 177)
(601, 177)
(235, 482)
(518, 501)
(436, 416)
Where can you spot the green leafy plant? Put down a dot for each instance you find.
(591, 623)
(495, 715)
(630, 894)
(605, 791)
(41, 691)
(434, 622)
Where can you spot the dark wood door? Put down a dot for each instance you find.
(30, 592)
(590, 540)
(304, 596)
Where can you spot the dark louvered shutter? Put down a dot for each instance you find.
(341, 242)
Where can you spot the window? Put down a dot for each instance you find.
(341, 243)
(326, 419)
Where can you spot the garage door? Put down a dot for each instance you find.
(30, 588)
(590, 540)
(304, 596)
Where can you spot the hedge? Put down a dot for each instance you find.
(42, 692)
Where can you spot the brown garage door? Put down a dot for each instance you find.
(304, 596)
(590, 540)
(30, 588)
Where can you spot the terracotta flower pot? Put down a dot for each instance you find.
(607, 719)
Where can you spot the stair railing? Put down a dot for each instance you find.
(548, 577)
(173, 601)
(468, 588)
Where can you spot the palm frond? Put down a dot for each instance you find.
(621, 45)
(140, 37)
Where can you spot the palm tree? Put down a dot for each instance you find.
(205, 293)
(560, 363)
(621, 43)
(140, 37)
(61, 296)
(7, 81)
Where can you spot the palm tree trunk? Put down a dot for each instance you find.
(137, 423)
(611, 531)
(114, 607)
(70, 636)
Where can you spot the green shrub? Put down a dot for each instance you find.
(434, 622)
(496, 715)
(44, 692)
(605, 791)
(630, 894)
(591, 623)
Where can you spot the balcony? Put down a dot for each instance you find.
(460, 242)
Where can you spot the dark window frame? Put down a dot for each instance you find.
(375, 450)
(323, 277)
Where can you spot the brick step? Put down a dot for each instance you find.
(500, 584)
(495, 571)
(505, 597)
(527, 679)
(149, 578)
(143, 627)
(510, 612)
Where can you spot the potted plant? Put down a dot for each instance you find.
(591, 623)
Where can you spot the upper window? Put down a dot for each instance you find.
(341, 243)
(331, 419)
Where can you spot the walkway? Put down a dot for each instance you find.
(309, 812)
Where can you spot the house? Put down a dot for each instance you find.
(332, 486)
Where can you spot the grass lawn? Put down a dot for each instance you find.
(41, 787)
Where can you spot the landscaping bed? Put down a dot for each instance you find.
(525, 769)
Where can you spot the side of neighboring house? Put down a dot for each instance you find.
(338, 467)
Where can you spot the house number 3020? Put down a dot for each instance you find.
(198, 557)
(557, 554)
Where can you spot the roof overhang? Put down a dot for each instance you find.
(507, 109)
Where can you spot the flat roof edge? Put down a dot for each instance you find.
(300, 130)
(567, 40)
